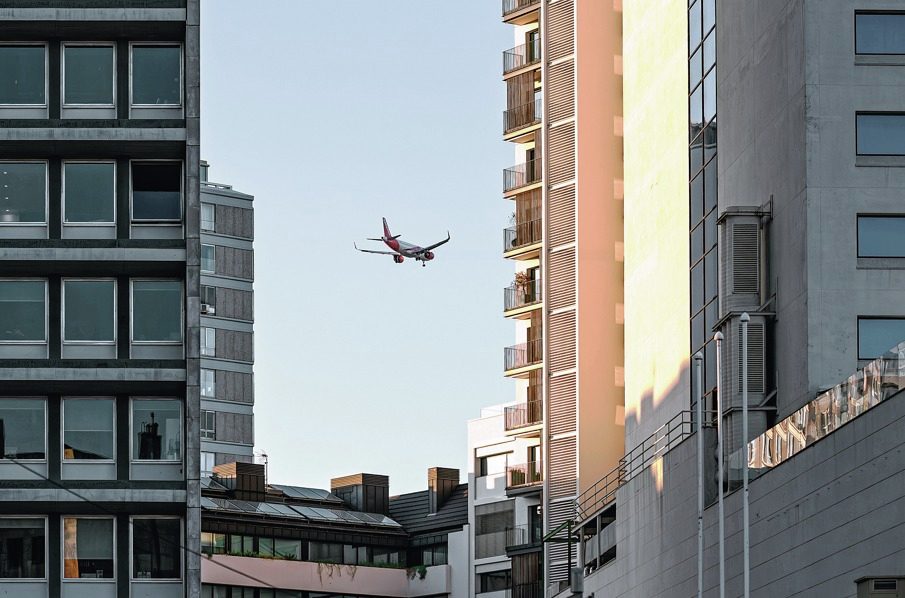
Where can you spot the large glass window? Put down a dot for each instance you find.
(89, 194)
(494, 581)
(22, 311)
(23, 192)
(22, 75)
(88, 426)
(88, 75)
(22, 548)
(208, 259)
(156, 430)
(89, 311)
(208, 424)
(87, 548)
(208, 341)
(157, 191)
(212, 543)
(157, 311)
(876, 336)
(881, 134)
(492, 464)
(157, 75)
(880, 33)
(208, 383)
(23, 428)
(208, 217)
(881, 236)
(156, 548)
(325, 552)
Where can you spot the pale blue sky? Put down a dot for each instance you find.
(334, 114)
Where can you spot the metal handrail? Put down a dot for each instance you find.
(524, 535)
(521, 175)
(524, 474)
(523, 116)
(510, 6)
(521, 295)
(523, 354)
(522, 234)
(524, 414)
(521, 56)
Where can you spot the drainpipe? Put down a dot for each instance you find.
(747, 543)
(699, 414)
(718, 337)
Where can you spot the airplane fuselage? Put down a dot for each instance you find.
(408, 250)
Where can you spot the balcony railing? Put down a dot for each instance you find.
(490, 544)
(522, 235)
(521, 56)
(524, 535)
(526, 474)
(523, 116)
(522, 175)
(510, 6)
(524, 414)
(524, 354)
(521, 295)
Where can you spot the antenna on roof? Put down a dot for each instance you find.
(260, 456)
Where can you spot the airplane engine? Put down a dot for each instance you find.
(428, 255)
(398, 259)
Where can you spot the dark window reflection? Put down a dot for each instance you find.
(880, 33)
(881, 236)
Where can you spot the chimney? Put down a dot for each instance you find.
(365, 492)
(245, 480)
(441, 481)
(205, 167)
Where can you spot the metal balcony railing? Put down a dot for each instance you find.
(524, 354)
(522, 175)
(490, 544)
(524, 535)
(522, 234)
(510, 6)
(521, 56)
(524, 414)
(526, 474)
(523, 116)
(519, 295)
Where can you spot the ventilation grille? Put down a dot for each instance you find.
(562, 404)
(562, 341)
(561, 276)
(563, 470)
(561, 154)
(756, 365)
(561, 91)
(560, 33)
(745, 259)
(561, 216)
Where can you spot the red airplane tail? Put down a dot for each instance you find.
(386, 230)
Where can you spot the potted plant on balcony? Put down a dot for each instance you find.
(524, 284)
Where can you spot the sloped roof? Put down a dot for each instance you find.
(412, 510)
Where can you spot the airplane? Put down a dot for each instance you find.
(401, 249)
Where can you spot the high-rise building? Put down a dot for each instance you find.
(227, 324)
(99, 269)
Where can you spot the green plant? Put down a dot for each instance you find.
(420, 571)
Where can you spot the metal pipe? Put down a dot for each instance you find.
(699, 413)
(718, 338)
(747, 543)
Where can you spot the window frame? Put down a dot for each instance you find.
(157, 221)
(63, 193)
(85, 44)
(858, 333)
(181, 103)
(205, 349)
(63, 578)
(132, 340)
(46, 577)
(202, 386)
(63, 340)
(213, 219)
(180, 550)
(132, 458)
(214, 260)
(46, 47)
(63, 458)
(46, 340)
(3, 458)
(46, 164)
(858, 217)
(208, 433)
(855, 30)
(860, 113)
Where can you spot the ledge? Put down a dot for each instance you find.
(881, 161)
(880, 60)
(91, 134)
(93, 14)
(881, 263)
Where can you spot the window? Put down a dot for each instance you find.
(876, 336)
(207, 463)
(240, 545)
(212, 543)
(881, 236)
(494, 581)
(23, 311)
(156, 548)
(880, 134)
(208, 217)
(208, 341)
(157, 311)
(23, 192)
(89, 192)
(22, 75)
(492, 464)
(287, 549)
(89, 311)
(434, 555)
(88, 75)
(492, 522)
(157, 191)
(324, 552)
(23, 429)
(208, 424)
(88, 426)
(22, 548)
(208, 383)
(87, 548)
(156, 430)
(209, 299)
(208, 259)
(880, 33)
(157, 75)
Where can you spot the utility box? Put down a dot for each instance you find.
(881, 587)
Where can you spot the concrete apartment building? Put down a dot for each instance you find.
(99, 270)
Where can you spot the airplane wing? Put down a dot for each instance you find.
(435, 245)
(374, 251)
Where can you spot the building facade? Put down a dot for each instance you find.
(227, 324)
(99, 269)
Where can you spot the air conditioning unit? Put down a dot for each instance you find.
(209, 310)
(742, 260)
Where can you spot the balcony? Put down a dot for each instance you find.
(522, 175)
(490, 544)
(516, 120)
(524, 357)
(522, 241)
(523, 415)
(513, 9)
(535, 589)
(521, 297)
(524, 475)
(524, 536)
(521, 56)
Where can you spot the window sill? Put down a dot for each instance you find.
(880, 161)
(880, 60)
(881, 263)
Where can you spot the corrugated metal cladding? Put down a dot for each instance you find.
(560, 29)
(562, 418)
(563, 474)
(561, 274)
(561, 153)
(559, 513)
(561, 90)
(561, 215)
(562, 341)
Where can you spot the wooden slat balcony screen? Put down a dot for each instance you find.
(521, 56)
(524, 354)
(521, 175)
(524, 414)
(510, 6)
(523, 294)
(522, 234)
(523, 115)
(525, 474)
